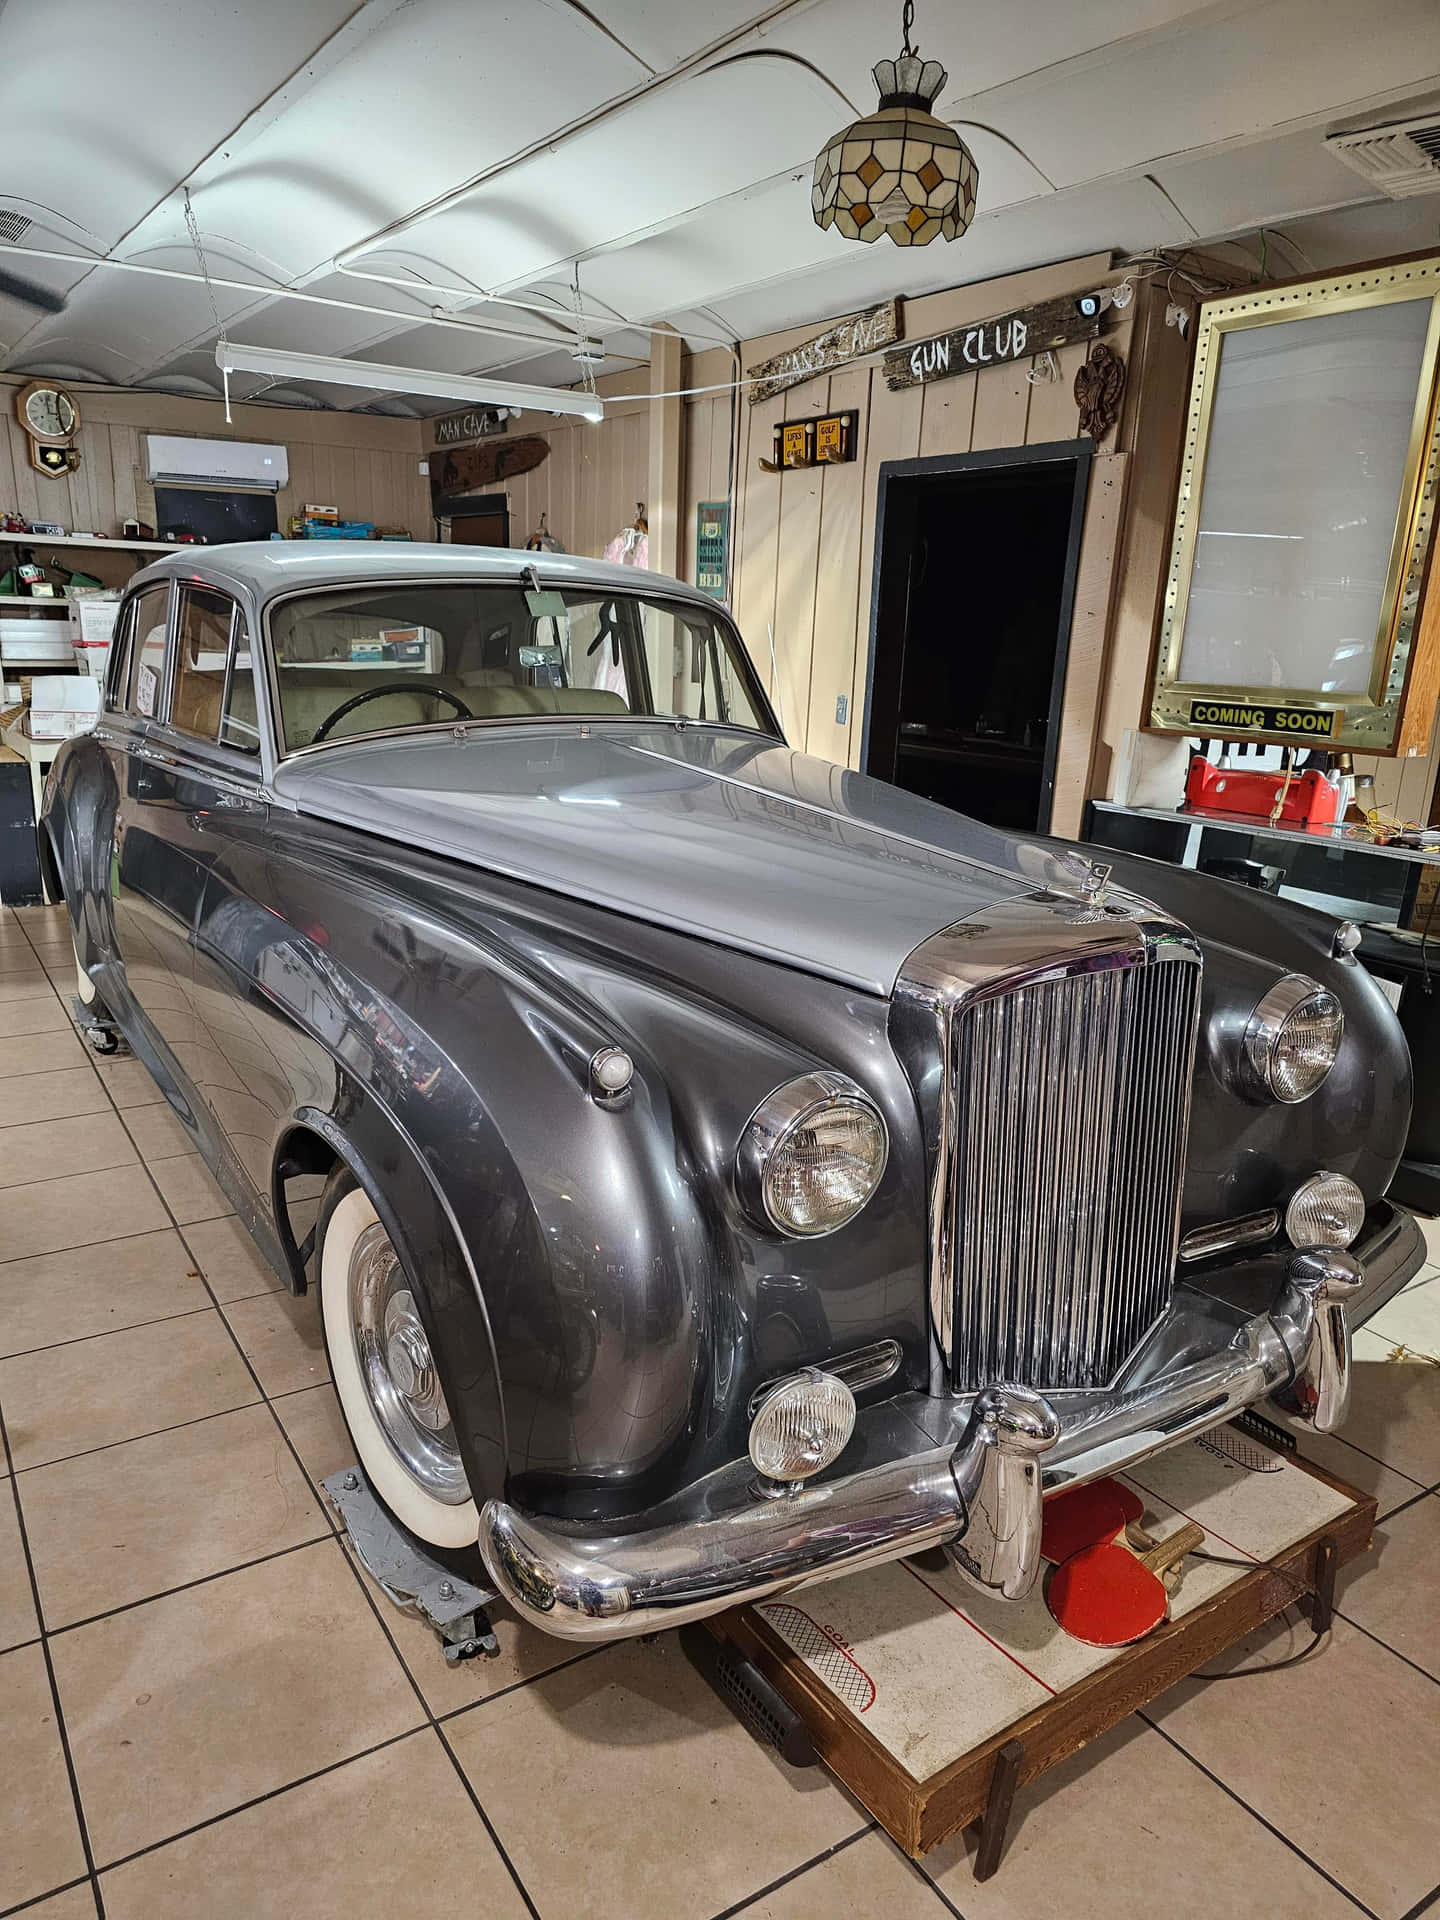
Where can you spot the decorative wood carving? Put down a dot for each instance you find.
(1099, 383)
(457, 472)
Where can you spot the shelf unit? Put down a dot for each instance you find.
(69, 540)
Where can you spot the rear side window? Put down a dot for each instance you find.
(147, 650)
(213, 696)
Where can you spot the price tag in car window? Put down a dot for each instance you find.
(546, 604)
(147, 684)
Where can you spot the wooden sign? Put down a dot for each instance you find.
(847, 340)
(474, 423)
(817, 443)
(1013, 336)
(462, 471)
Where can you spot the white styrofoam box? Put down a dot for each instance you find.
(92, 618)
(23, 640)
(62, 704)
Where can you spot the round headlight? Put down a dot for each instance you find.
(801, 1426)
(1293, 1038)
(1325, 1211)
(812, 1155)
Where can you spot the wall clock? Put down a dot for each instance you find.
(51, 419)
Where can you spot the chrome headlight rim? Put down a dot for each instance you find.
(1266, 1027)
(779, 1116)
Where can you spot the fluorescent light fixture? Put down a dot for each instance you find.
(444, 386)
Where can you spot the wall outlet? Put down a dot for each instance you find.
(842, 709)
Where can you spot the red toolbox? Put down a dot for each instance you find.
(1310, 802)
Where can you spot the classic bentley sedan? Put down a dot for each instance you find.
(735, 1171)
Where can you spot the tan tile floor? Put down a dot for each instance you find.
(205, 1707)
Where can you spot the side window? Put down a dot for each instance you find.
(147, 650)
(214, 691)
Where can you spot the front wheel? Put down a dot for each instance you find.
(385, 1374)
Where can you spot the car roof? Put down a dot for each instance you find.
(270, 567)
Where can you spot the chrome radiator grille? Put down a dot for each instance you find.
(1071, 1101)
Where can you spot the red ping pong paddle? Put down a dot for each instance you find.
(1109, 1597)
(1084, 1516)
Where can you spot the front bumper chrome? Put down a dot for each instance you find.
(968, 1473)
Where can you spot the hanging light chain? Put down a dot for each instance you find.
(193, 229)
(907, 21)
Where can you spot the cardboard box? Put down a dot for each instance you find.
(62, 704)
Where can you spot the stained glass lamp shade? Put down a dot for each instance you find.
(899, 170)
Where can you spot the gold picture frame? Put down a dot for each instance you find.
(1369, 718)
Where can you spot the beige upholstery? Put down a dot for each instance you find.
(308, 696)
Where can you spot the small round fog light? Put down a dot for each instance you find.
(1327, 1210)
(801, 1426)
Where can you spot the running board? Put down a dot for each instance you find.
(409, 1575)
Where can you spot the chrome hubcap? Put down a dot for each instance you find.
(398, 1369)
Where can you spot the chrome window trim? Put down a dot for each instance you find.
(1016, 943)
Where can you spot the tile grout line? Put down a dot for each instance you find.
(1423, 1905)
(258, 1800)
(60, 1727)
(189, 1586)
(1268, 1825)
(1375, 1638)
(315, 1494)
(797, 1873)
(178, 1426)
(28, 1906)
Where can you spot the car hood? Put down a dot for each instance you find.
(721, 833)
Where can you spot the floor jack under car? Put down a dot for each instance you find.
(408, 1574)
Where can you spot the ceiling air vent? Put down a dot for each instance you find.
(1402, 159)
(13, 226)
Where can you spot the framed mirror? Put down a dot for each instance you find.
(1305, 516)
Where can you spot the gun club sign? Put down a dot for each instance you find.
(988, 343)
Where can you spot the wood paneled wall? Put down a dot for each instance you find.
(365, 464)
(596, 475)
(804, 541)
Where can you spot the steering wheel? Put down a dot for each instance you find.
(383, 693)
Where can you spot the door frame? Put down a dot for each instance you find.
(895, 523)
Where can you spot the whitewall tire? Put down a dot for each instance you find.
(386, 1382)
(84, 985)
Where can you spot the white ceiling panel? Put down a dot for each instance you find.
(663, 34)
(444, 89)
(104, 107)
(606, 183)
(1244, 186)
(305, 127)
(1230, 76)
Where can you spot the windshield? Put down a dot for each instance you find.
(371, 659)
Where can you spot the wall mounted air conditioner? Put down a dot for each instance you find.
(172, 460)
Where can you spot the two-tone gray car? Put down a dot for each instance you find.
(735, 1171)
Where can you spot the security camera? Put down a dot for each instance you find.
(1091, 305)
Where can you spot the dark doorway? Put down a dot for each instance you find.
(974, 587)
(481, 523)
